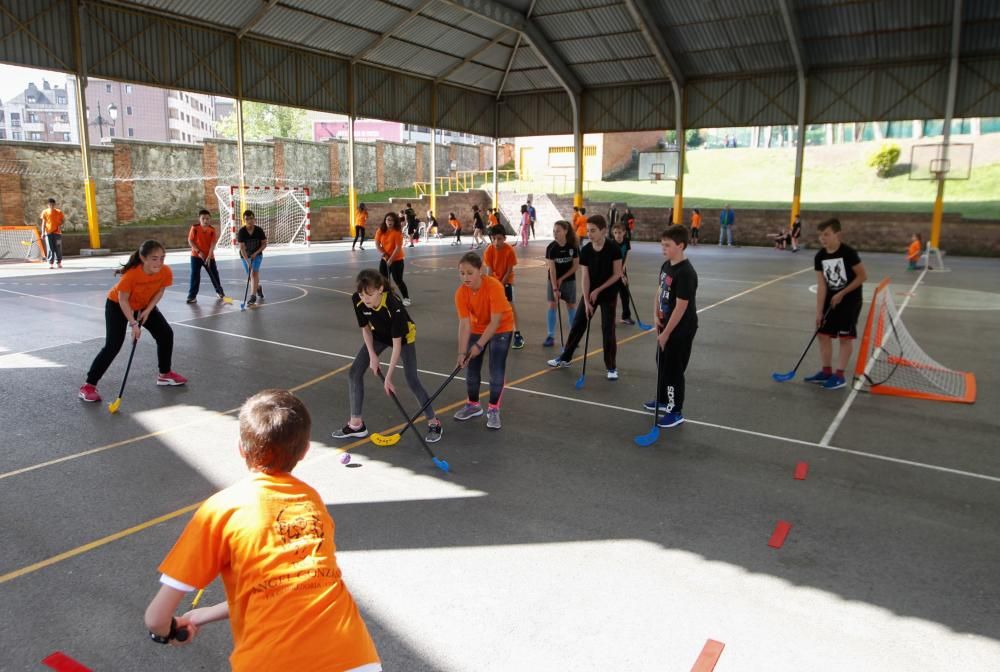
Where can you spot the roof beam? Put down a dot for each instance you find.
(255, 19)
(471, 57)
(389, 33)
(504, 16)
(655, 40)
(794, 36)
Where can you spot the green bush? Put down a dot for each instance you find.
(694, 139)
(884, 159)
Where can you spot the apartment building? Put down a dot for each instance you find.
(38, 114)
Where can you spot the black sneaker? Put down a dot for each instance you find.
(192, 299)
(252, 301)
(348, 432)
(260, 291)
(433, 433)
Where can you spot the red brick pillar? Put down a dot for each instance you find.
(485, 162)
(379, 166)
(452, 156)
(124, 191)
(11, 198)
(279, 163)
(421, 149)
(210, 171)
(334, 149)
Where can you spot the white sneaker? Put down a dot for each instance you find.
(612, 374)
(407, 302)
(558, 363)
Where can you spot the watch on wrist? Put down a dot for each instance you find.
(161, 639)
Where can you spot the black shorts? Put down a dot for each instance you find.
(842, 322)
(694, 234)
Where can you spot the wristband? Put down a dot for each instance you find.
(133, 324)
(172, 635)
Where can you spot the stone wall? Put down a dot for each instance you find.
(306, 164)
(179, 191)
(397, 165)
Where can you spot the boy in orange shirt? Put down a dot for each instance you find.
(485, 320)
(270, 536)
(695, 226)
(580, 224)
(52, 221)
(131, 305)
(500, 260)
(202, 238)
(913, 253)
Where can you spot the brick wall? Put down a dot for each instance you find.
(11, 195)
(279, 164)
(334, 159)
(124, 188)
(618, 148)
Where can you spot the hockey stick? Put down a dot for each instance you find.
(438, 462)
(785, 377)
(246, 292)
(214, 276)
(650, 437)
(393, 439)
(586, 346)
(562, 341)
(635, 311)
(116, 404)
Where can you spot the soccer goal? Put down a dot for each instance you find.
(283, 213)
(20, 243)
(890, 361)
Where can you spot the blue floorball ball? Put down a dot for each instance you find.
(345, 458)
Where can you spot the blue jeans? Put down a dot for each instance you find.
(213, 274)
(54, 242)
(498, 348)
(726, 231)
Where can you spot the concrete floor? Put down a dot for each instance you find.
(556, 543)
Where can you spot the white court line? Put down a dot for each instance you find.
(859, 383)
(775, 437)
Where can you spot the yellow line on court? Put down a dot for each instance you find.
(142, 437)
(179, 512)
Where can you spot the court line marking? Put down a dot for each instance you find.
(859, 383)
(169, 516)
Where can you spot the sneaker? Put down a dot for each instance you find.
(549, 342)
(170, 378)
(468, 412)
(260, 291)
(88, 392)
(433, 433)
(558, 362)
(252, 301)
(612, 374)
(348, 432)
(628, 320)
(834, 382)
(518, 341)
(819, 378)
(651, 406)
(192, 299)
(670, 420)
(59, 264)
(221, 295)
(407, 302)
(51, 267)
(493, 418)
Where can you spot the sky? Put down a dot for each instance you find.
(15, 79)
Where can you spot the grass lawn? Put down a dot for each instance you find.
(375, 197)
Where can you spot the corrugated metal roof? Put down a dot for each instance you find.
(526, 58)
(375, 16)
(591, 23)
(980, 38)
(53, 44)
(458, 18)
(633, 108)
(978, 88)
(231, 14)
(496, 56)
(978, 10)
(475, 75)
(403, 55)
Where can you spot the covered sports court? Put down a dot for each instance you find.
(555, 543)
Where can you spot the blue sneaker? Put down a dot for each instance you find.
(819, 378)
(651, 406)
(670, 420)
(834, 382)
(549, 342)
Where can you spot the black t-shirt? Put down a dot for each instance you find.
(601, 266)
(838, 270)
(679, 281)
(796, 228)
(563, 255)
(477, 221)
(251, 241)
(390, 320)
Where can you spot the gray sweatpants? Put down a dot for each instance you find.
(356, 380)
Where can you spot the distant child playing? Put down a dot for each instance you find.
(360, 220)
(601, 261)
(253, 241)
(52, 221)
(913, 253)
(695, 226)
(840, 275)
(620, 234)
(676, 318)
(485, 321)
(270, 537)
(478, 228)
(500, 260)
(202, 238)
(392, 254)
(131, 305)
(456, 228)
(384, 323)
(563, 258)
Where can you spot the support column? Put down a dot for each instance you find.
(575, 104)
(241, 164)
(434, 151)
(949, 114)
(89, 191)
(800, 151)
(681, 153)
(352, 194)
(496, 171)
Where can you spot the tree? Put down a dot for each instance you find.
(261, 121)
(694, 138)
(884, 159)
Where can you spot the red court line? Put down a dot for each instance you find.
(708, 657)
(801, 469)
(60, 662)
(780, 533)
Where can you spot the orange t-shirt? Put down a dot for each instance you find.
(913, 252)
(271, 538)
(501, 260)
(580, 224)
(53, 219)
(695, 221)
(479, 305)
(141, 287)
(203, 238)
(393, 240)
(361, 219)
(493, 219)
(455, 224)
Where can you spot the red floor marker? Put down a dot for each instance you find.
(801, 469)
(60, 662)
(708, 657)
(780, 533)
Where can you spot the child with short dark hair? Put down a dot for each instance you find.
(456, 228)
(913, 253)
(52, 221)
(270, 537)
(695, 226)
(478, 228)
(839, 277)
(500, 260)
(202, 238)
(252, 240)
(619, 233)
(676, 318)
(360, 221)
(384, 323)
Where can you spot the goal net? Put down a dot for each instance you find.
(20, 243)
(283, 213)
(890, 361)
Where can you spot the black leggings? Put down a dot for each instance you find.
(608, 305)
(117, 326)
(623, 292)
(396, 270)
(670, 385)
(359, 234)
